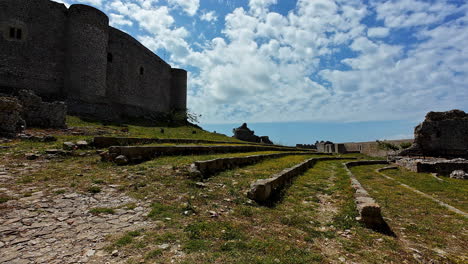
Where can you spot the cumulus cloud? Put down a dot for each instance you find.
(378, 32)
(119, 20)
(209, 16)
(410, 13)
(259, 7)
(188, 6)
(319, 61)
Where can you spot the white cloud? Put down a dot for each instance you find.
(119, 20)
(266, 66)
(96, 3)
(410, 13)
(209, 16)
(188, 6)
(378, 32)
(63, 2)
(259, 7)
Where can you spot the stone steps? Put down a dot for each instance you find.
(265, 190)
(369, 210)
(207, 168)
(136, 154)
(105, 142)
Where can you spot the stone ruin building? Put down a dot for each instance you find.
(442, 134)
(440, 145)
(73, 55)
(28, 109)
(245, 134)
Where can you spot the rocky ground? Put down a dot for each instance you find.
(55, 227)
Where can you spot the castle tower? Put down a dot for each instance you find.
(179, 89)
(86, 57)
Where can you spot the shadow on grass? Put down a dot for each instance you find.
(382, 228)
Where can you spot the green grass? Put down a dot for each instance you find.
(94, 189)
(420, 220)
(314, 222)
(101, 210)
(4, 199)
(150, 131)
(451, 191)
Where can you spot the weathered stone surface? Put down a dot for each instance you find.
(37, 113)
(368, 209)
(60, 228)
(459, 174)
(442, 134)
(11, 122)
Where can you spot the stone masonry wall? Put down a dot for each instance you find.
(441, 134)
(36, 61)
(135, 74)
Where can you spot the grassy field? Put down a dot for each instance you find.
(215, 222)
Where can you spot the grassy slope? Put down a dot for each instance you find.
(313, 223)
(419, 222)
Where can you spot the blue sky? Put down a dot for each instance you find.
(306, 70)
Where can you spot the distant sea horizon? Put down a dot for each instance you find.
(292, 133)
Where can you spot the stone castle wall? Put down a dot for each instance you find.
(370, 148)
(73, 55)
(36, 60)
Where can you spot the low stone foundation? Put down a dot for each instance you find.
(265, 189)
(210, 167)
(368, 209)
(104, 142)
(135, 154)
(433, 165)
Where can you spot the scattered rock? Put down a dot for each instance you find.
(115, 253)
(164, 246)
(69, 146)
(200, 184)
(121, 160)
(90, 253)
(213, 214)
(459, 174)
(82, 144)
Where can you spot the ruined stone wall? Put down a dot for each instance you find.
(135, 75)
(35, 59)
(442, 134)
(372, 148)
